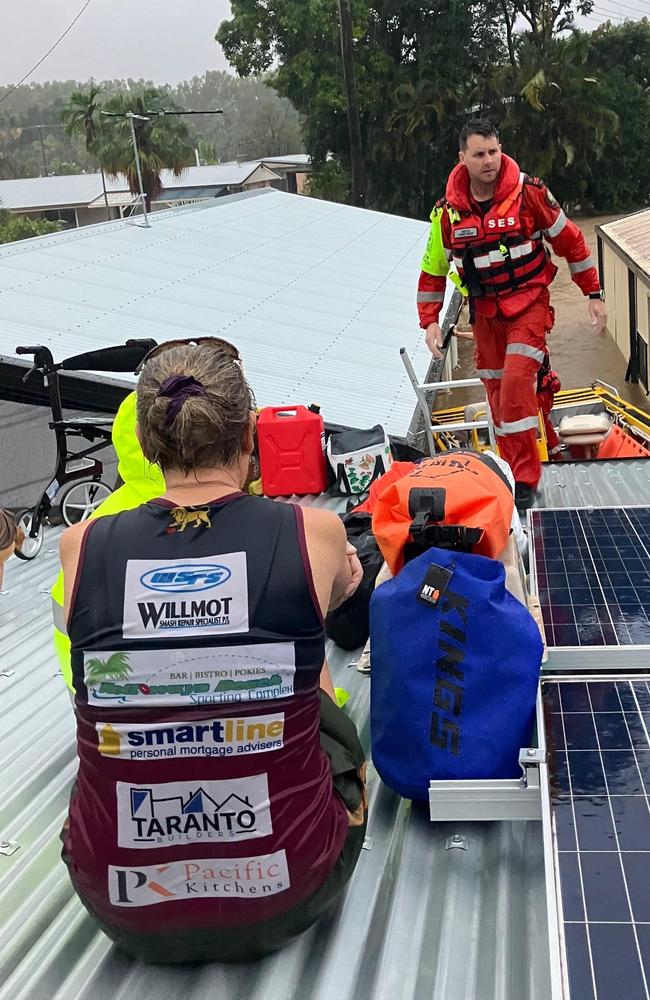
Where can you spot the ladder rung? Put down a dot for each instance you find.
(467, 425)
(459, 383)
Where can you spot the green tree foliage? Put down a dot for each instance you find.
(256, 122)
(555, 119)
(570, 104)
(21, 227)
(163, 141)
(329, 181)
(543, 19)
(577, 112)
(620, 179)
(81, 117)
(415, 64)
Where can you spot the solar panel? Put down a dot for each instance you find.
(599, 771)
(591, 570)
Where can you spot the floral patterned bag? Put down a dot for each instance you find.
(358, 458)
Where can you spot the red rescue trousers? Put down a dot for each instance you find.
(508, 353)
(545, 404)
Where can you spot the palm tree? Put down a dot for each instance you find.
(80, 117)
(116, 667)
(163, 141)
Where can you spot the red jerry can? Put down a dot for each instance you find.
(291, 442)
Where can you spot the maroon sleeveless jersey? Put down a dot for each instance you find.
(203, 797)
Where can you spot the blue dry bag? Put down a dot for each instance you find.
(455, 665)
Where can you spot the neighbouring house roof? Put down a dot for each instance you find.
(84, 190)
(116, 199)
(631, 235)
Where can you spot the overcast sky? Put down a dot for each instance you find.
(155, 39)
(159, 40)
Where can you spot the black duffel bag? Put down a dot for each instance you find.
(349, 625)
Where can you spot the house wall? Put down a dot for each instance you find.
(643, 326)
(617, 293)
(91, 216)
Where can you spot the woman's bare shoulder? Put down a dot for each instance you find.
(323, 522)
(70, 541)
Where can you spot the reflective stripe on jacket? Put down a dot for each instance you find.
(500, 254)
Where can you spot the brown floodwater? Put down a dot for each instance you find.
(577, 354)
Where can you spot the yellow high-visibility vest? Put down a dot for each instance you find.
(142, 482)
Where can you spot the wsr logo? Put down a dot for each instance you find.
(185, 579)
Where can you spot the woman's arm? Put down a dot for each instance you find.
(69, 551)
(335, 567)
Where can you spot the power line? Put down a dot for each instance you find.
(49, 51)
(643, 13)
(620, 15)
(599, 18)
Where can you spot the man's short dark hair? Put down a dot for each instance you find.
(477, 126)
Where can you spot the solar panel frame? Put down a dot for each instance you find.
(581, 851)
(611, 607)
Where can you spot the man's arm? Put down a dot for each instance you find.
(433, 278)
(568, 241)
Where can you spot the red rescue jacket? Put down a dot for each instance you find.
(500, 254)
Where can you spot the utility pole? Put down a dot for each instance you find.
(39, 133)
(40, 136)
(354, 123)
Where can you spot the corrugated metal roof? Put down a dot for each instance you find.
(220, 174)
(418, 921)
(188, 193)
(31, 193)
(632, 235)
(115, 199)
(298, 160)
(319, 297)
(598, 484)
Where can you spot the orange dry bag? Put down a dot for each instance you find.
(457, 500)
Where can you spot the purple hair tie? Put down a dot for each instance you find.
(178, 388)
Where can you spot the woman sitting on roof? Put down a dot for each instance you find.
(220, 806)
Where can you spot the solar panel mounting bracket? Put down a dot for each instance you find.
(491, 799)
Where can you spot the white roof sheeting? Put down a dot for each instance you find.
(115, 199)
(319, 297)
(32, 193)
(297, 160)
(632, 235)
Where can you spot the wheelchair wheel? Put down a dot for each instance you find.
(80, 500)
(31, 546)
